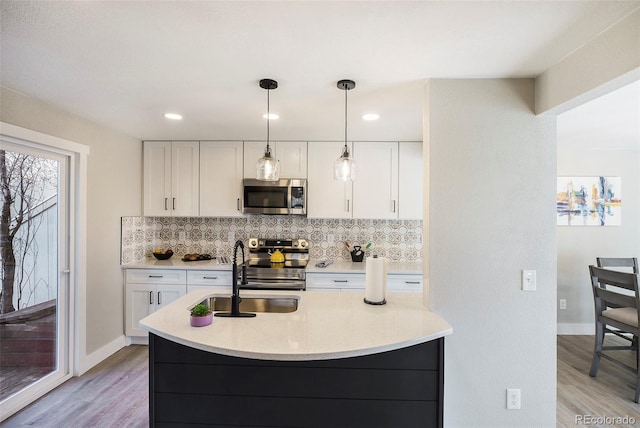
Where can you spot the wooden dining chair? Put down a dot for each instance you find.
(618, 262)
(615, 307)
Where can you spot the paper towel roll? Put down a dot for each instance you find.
(375, 280)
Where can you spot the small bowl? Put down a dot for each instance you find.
(165, 256)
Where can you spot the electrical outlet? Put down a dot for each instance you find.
(513, 399)
(529, 280)
(331, 239)
(232, 236)
(182, 235)
(563, 303)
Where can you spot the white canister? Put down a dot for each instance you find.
(375, 280)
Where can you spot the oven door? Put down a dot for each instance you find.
(265, 197)
(264, 278)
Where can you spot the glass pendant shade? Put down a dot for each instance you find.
(268, 168)
(345, 167)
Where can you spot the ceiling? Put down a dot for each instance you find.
(124, 64)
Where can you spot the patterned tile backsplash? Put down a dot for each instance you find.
(399, 240)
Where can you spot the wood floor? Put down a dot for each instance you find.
(115, 393)
(609, 394)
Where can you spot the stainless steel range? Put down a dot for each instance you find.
(277, 264)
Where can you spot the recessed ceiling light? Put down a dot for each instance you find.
(173, 116)
(371, 116)
(271, 116)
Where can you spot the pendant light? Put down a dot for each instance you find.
(345, 167)
(267, 167)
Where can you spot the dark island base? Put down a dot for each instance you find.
(400, 388)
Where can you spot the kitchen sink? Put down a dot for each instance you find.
(255, 304)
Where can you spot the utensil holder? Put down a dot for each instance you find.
(357, 255)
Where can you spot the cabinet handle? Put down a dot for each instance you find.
(412, 282)
(238, 204)
(174, 203)
(209, 277)
(151, 297)
(159, 301)
(155, 276)
(348, 205)
(394, 205)
(340, 280)
(165, 204)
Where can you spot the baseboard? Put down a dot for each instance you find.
(576, 329)
(101, 354)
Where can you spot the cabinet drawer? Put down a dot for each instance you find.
(408, 283)
(156, 276)
(209, 277)
(335, 281)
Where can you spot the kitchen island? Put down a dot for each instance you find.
(335, 361)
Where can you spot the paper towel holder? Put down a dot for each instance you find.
(383, 301)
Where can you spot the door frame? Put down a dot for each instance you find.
(76, 232)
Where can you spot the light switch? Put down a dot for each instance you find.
(529, 280)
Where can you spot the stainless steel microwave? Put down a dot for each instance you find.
(284, 196)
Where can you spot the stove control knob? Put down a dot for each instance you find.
(303, 243)
(253, 243)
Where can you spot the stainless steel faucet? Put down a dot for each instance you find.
(235, 294)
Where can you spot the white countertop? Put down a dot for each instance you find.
(335, 267)
(176, 263)
(359, 267)
(327, 325)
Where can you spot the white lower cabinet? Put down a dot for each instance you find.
(148, 290)
(411, 283)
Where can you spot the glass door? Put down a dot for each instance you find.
(34, 273)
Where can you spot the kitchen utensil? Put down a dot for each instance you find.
(276, 256)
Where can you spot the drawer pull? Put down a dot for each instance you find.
(340, 280)
(155, 276)
(412, 282)
(209, 277)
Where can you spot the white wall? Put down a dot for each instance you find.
(114, 190)
(578, 247)
(491, 214)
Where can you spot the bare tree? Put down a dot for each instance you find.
(24, 183)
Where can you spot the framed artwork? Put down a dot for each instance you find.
(589, 201)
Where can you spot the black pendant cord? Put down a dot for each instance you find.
(268, 120)
(345, 119)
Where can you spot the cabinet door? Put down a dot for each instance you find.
(375, 190)
(166, 294)
(140, 302)
(410, 180)
(293, 159)
(254, 150)
(221, 178)
(157, 178)
(327, 197)
(185, 165)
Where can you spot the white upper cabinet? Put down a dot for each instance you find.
(291, 154)
(293, 158)
(410, 185)
(375, 189)
(221, 178)
(327, 197)
(171, 179)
